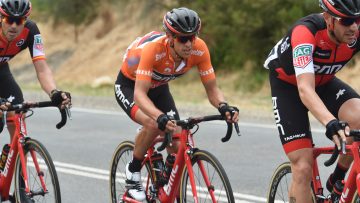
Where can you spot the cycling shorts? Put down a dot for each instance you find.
(9, 89)
(160, 96)
(291, 115)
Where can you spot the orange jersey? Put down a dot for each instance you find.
(148, 58)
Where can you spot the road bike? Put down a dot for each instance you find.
(196, 175)
(280, 181)
(28, 162)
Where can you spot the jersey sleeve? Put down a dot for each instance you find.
(147, 61)
(204, 65)
(303, 43)
(36, 46)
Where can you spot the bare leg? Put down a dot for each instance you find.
(301, 167)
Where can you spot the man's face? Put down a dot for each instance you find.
(346, 30)
(12, 27)
(183, 44)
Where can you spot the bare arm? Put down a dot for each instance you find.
(214, 94)
(45, 76)
(306, 87)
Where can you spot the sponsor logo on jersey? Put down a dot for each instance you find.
(38, 42)
(285, 45)
(322, 54)
(197, 52)
(132, 61)
(207, 72)
(20, 43)
(158, 57)
(327, 69)
(302, 55)
(144, 72)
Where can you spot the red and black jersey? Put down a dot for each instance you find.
(30, 37)
(307, 48)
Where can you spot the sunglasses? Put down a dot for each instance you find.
(184, 39)
(11, 20)
(348, 21)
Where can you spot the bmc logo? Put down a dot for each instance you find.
(328, 69)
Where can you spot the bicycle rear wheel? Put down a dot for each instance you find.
(34, 151)
(280, 184)
(219, 188)
(123, 155)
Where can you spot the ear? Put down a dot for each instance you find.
(329, 20)
(170, 38)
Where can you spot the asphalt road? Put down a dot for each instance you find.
(83, 149)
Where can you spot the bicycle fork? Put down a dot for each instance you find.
(205, 176)
(23, 160)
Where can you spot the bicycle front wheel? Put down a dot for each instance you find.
(280, 185)
(211, 181)
(123, 155)
(42, 178)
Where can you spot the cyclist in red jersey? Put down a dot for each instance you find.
(17, 34)
(302, 68)
(142, 90)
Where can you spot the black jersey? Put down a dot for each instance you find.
(307, 48)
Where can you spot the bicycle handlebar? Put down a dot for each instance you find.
(189, 123)
(26, 106)
(335, 154)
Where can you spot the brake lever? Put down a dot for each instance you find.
(68, 113)
(237, 129)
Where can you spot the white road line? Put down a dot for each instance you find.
(102, 174)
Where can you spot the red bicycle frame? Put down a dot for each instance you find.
(183, 157)
(16, 148)
(353, 180)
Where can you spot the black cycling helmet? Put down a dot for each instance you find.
(182, 21)
(341, 8)
(15, 8)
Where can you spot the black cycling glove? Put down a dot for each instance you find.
(224, 107)
(56, 97)
(333, 127)
(162, 121)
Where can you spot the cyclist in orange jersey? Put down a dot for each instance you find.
(17, 34)
(142, 90)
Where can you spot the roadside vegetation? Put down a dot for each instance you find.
(87, 40)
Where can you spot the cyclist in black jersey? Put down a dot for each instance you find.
(302, 68)
(17, 33)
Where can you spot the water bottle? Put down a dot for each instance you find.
(3, 157)
(336, 193)
(158, 166)
(170, 160)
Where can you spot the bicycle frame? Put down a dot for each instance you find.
(353, 180)
(16, 147)
(183, 159)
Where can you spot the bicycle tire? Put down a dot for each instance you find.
(123, 155)
(217, 176)
(48, 171)
(278, 190)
